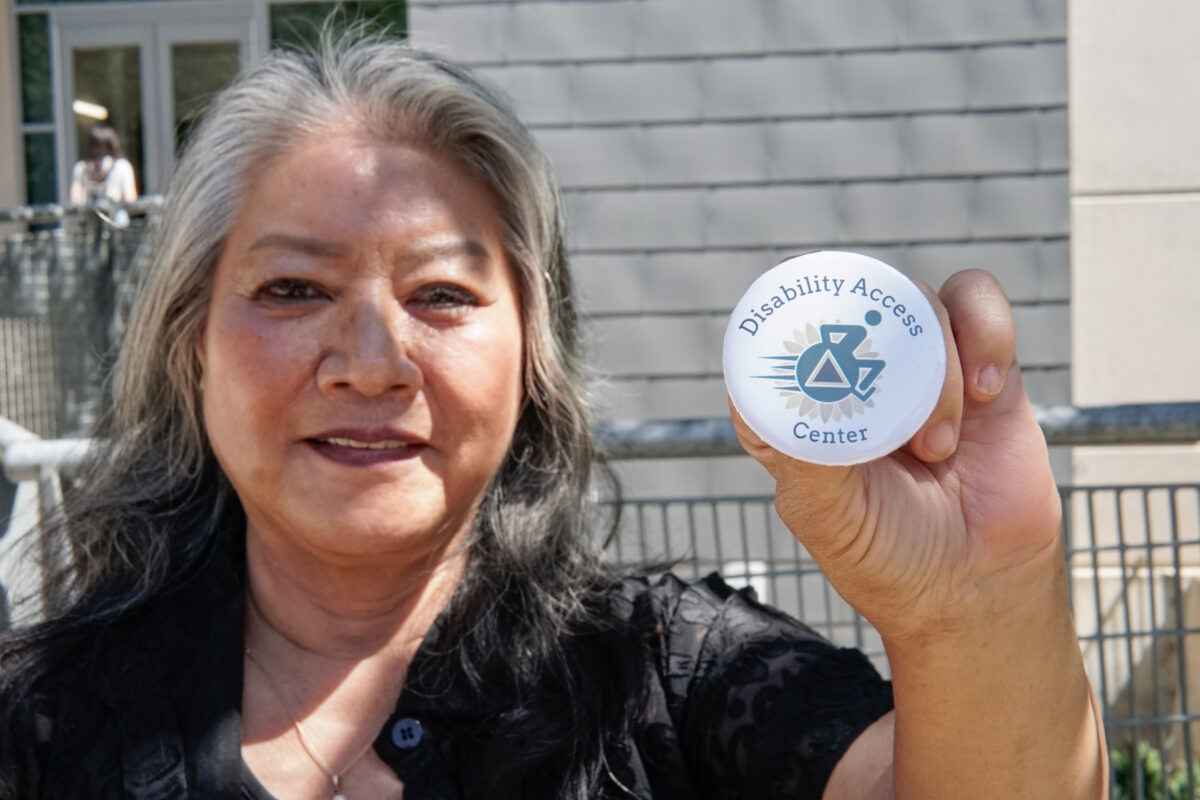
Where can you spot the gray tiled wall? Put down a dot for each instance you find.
(700, 141)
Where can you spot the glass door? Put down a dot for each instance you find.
(104, 77)
(198, 60)
(108, 89)
(148, 78)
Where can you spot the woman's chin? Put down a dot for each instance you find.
(362, 537)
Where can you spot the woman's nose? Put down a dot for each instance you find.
(370, 349)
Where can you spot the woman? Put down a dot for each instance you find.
(105, 174)
(340, 544)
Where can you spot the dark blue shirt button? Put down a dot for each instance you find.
(407, 733)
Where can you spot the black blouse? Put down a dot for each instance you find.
(741, 701)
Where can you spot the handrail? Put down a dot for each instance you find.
(35, 465)
(1136, 423)
(11, 433)
(44, 213)
(1133, 423)
(27, 460)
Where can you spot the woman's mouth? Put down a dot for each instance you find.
(366, 451)
(383, 444)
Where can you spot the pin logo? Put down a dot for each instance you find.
(830, 371)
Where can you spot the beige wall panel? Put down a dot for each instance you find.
(1107, 466)
(1135, 119)
(11, 193)
(1135, 230)
(1134, 285)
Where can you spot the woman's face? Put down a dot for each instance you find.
(362, 353)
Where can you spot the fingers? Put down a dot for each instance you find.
(983, 329)
(980, 350)
(938, 437)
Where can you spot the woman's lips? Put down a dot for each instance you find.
(381, 444)
(367, 451)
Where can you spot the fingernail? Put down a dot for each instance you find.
(989, 381)
(939, 440)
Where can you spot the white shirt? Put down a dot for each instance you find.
(113, 181)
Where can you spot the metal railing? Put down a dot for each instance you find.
(53, 213)
(1132, 553)
(1136, 423)
(65, 287)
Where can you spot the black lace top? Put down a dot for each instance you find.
(739, 701)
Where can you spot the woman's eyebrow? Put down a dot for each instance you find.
(325, 248)
(469, 248)
(469, 252)
(322, 248)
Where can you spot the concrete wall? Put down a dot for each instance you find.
(1135, 213)
(700, 142)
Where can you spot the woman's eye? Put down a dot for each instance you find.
(288, 289)
(444, 296)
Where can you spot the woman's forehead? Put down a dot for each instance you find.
(353, 182)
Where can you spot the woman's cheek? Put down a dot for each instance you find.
(276, 348)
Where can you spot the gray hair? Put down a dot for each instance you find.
(529, 612)
(531, 531)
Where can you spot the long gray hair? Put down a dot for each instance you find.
(395, 93)
(153, 502)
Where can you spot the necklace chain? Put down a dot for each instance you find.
(334, 777)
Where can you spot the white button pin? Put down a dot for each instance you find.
(834, 358)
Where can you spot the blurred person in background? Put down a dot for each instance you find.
(105, 174)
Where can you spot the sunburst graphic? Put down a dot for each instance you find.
(784, 375)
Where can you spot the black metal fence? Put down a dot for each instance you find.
(1133, 556)
(63, 287)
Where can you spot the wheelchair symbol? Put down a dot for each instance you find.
(829, 371)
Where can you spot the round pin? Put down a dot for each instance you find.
(834, 358)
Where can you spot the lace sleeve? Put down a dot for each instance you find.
(768, 706)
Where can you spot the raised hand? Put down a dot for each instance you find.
(950, 547)
(910, 539)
